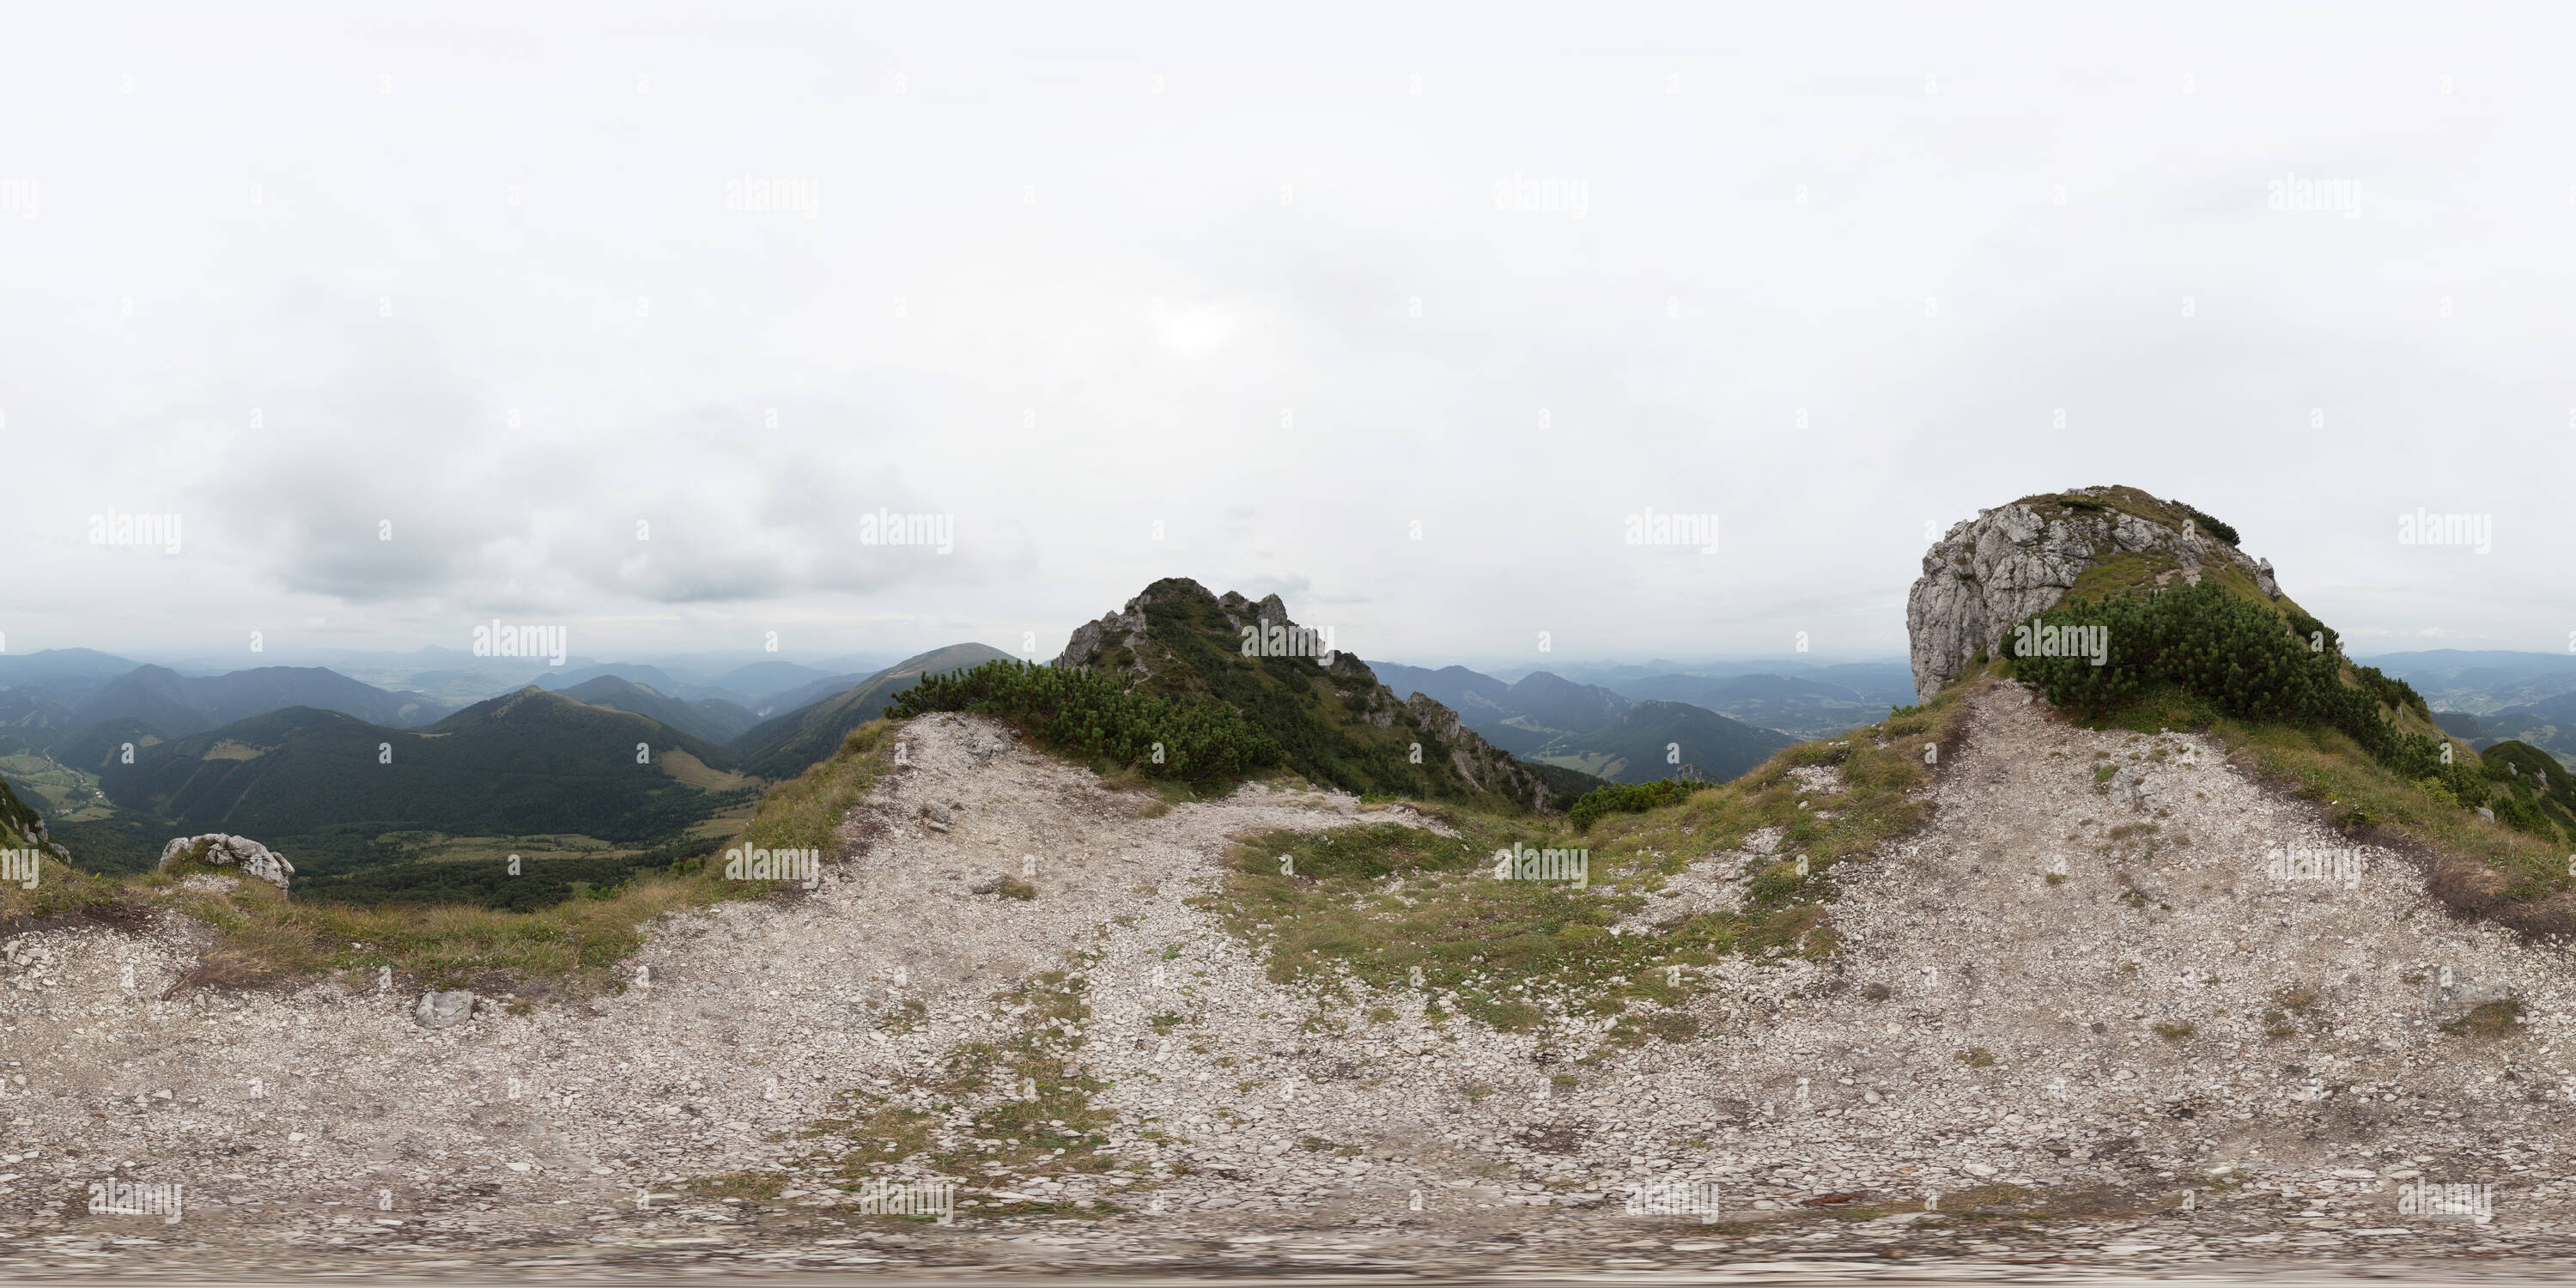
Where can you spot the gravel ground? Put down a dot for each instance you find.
(2168, 1057)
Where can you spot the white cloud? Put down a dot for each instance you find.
(1779, 222)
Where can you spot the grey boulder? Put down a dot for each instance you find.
(241, 851)
(442, 1010)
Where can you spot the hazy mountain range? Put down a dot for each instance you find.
(615, 762)
(2487, 697)
(1591, 728)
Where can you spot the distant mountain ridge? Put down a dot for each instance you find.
(786, 745)
(1654, 739)
(524, 763)
(712, 719)
(813, 691)
(180, 705)
(73, 714)
(1599, 731)
(760, 680)
(60, 663)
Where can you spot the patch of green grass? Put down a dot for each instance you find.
(2127, 572)
(60, 889)
(738, 1185)
(805, 812)
(1976, 1057)
(1392, 907)
(905, 1018)
(2492, 1019)
(994, 1113)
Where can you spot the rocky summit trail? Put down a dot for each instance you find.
(2118, 1007)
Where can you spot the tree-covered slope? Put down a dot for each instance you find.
(1652, 740)
(524, 763)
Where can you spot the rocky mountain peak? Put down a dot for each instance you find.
(1987, 573)
(1176, 637)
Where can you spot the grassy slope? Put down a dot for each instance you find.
(570, 948)
(1372, 904)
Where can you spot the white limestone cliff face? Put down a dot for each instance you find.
(1987, 573)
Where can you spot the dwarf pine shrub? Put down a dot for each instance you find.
(2234, 653)
(1084, 713)
(1629, 798)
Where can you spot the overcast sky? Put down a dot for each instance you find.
(1246, 293)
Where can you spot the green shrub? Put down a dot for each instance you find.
(2209, 525)
(1086, 713)
(2390, 690)
(2319, 637)
(2518, 812)
(2235, 653)
(1629, 798)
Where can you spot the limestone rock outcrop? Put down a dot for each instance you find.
(1995, 570)
(215, 847)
